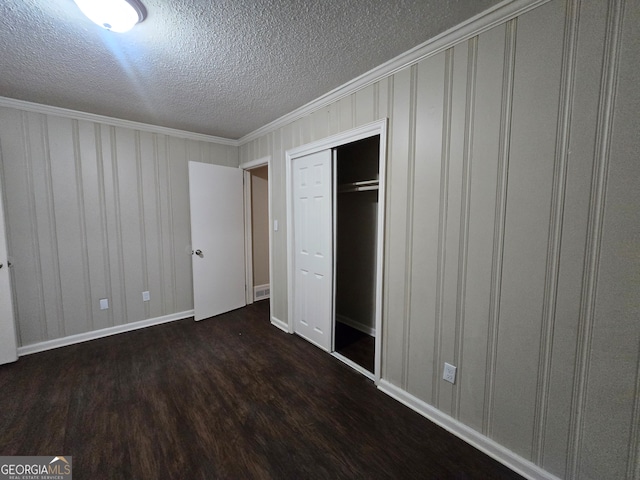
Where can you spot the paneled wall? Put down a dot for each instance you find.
(512, 231)
(96, 211)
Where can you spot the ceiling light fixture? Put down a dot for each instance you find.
(115, 15)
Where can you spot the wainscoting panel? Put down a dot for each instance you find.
(482, 183)
(511, 229)
(528, 182)
(427, 176)
(96, 211)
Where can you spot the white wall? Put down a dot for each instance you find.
(96, 211)
(511, 244)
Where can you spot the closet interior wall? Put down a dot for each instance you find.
(356, 228)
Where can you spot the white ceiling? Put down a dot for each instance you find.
(219, 67)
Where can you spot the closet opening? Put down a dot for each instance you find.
(355, 245)
(335, 244)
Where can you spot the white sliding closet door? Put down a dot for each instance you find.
(313, 248)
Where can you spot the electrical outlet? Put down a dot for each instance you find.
(449, 373)
(104, 303)
(146, 297)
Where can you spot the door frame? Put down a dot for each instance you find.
(247, 167)
(372, 129)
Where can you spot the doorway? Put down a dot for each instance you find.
(344, 319)
(259, 184)
(221, 229)
(258, 236)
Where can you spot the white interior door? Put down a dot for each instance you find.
(217, 239)
(313, 247)
(8, 346)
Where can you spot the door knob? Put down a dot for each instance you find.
(199, 253)
(1, 265)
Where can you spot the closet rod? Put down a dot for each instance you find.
(361, 186)
(349, 189)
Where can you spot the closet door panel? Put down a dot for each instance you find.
(313, 240)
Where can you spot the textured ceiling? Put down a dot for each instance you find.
(219, 67)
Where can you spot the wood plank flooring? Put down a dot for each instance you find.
(228, 397)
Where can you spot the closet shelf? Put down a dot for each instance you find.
(361, 186)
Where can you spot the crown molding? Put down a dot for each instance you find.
(496, 15)
(482, 22)
(116, 122)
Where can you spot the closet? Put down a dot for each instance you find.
(355, 247)
(335, 199)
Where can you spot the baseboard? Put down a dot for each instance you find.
(280, 324)
(357, 325)
(104, 332)
(490, 447)
(261, 292)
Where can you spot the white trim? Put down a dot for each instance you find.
(380, 247)
(334, 226)
(349, 136)
(276, 322)
(261, 162)
(258, 288)
(371, 331)
(271, 246)
(476, 25)
(482, 22)
(356, 366)
(116, 122)
(378, 127)
(248, 237)
(486, 445)
(104, 332)
(257, 163)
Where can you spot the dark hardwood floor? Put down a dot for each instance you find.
(228, 397)
(355, 345)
